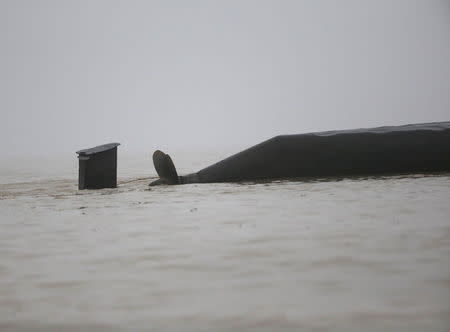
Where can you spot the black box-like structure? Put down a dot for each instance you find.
(98, 167)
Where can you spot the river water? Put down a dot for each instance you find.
(355, 254)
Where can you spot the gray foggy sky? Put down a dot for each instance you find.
(205, 74)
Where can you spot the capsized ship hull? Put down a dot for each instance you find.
(416, 148)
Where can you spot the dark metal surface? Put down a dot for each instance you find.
(98, 167)
(165, 168)
(98, 149)
(417, 148)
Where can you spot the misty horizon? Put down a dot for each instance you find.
(200, 75)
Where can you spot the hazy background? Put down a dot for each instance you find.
(207, 74)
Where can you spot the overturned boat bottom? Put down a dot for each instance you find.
(409, 149)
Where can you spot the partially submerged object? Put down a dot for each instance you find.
(98, 167)
(415, 148)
